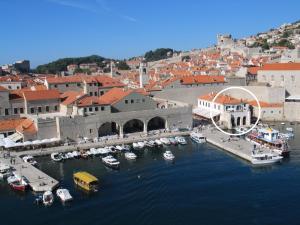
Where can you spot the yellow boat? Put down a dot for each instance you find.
(86, 181)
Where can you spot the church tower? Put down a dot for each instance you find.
(143, 72)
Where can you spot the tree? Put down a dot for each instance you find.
(158, 54)
(122, 65)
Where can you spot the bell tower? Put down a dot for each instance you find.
(143, 72)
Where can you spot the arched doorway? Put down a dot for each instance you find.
(108, 128)
(156, 123)
(133, 126)
(244, 120)
(232, 121)
(238, 121)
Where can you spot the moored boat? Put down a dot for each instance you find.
(130, 155)
(56, 157)
(198, 137)
(168, 155)
(173, 141)
(181, 140)
(30, 160)
(86, 181)
(111, 162)
(158, 142)
(5, 171)
(48, 198)
(17, 183)
(264, 158)
(64, 194)
(165, 141)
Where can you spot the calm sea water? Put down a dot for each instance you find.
(205, 185)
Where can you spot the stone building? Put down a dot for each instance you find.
(227, 111)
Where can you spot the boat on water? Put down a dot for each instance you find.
(69, 155)
(5, 171)
(76, 154)
(17, 183)
(130, 155)
(181, 140)
(86, 181)
(56, 157)
(264, 158)
(158, 142)
(103, 151)
(150, 144)
(269, 138)
(165, 141)
(84, 154)
(141, 144)
(173, 141)
(127, 148)
(135, 145)
(48, 198)
(64, 195)
(30, 160)
(168, 155)
(111, 162)
(119, 148)
(198, 137)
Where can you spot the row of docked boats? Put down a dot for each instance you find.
(160, 142)
(47, 198)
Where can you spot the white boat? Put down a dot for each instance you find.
(56, 157)
(29, 159)
(64, 195)
(141, 144)
(110, 161)
(94, 151)
(173, 141)
(48, 198)
(264, 158)
(104, 151)
(168, 155)
(290, 129)
(119, 148)
(181, 140)
(135, 145)
(76, 154)
(130, 155)
(89, 153)
(150, 143)
(5, 171)
(158, 142)
(198, 137)
(69, 155)
(165, 141)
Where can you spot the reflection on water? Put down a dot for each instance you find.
(204, 185)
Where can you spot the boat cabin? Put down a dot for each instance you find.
(269, 134)
(86, 181)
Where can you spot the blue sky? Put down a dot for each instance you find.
(45, 30)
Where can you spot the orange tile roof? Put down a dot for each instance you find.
(202, 79)
(91, 100)
(253, 70)
(222, 99)
(26, 126)
(281, 66)
(70, 97)
(11, 124)
(41, 95)
(266, 104)
(3, 88)
(116, 94)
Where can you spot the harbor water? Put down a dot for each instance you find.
(204, 185)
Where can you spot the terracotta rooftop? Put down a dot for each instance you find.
(202, 79)
(281, 66)
(26, 126)
(266, 104)
(222, 99)
(11, 124)
(70, 97)
(41, 95)
(91, 100)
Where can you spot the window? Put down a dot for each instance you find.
(96, 93)
(271, 111)
(40, 109)
(91, 131)
(21, 110)
(90, 85)
(9, 87)
(102, 108)
(6, 112)
(15, 110)
(282, 78)
(101, 92)
(78, 85)
(126, 101)
(131, 101)
(96, 108)
(293, 78)
(85, 110)
(18, 87)
(31, 110)
(279, 112)
(90, 109)
(143, 100)
(56, 108)
(47, 108)
(67, 85)
(55, 85)
(91, 93)
(95, 84)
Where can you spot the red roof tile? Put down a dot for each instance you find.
(41, 95)
(221, 99)
(281, 66)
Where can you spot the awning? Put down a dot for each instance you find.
(205, 113)
(15, 137)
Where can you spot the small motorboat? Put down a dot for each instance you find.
(56, 157)
(173, 141)
(127, 148)
(130, 155)
(265, 158)
(29, 159)
(119, 148)
(89, 153)
(48, 198)
(282, 123)
(111, 162)
(168, 155)
(103, 151)
(165, 141)
(64, 194)
(198, 137)
(158, 142)
(181, 140)
(135, 145)
(150, 143)
(17, 183)
(290, 129)
(69, 155)
(76, 154)
(5, 171)
(141, 144)
(84, 154)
